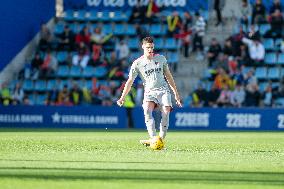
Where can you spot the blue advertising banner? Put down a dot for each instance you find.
(190, 5)
(220, 119)
(63, 117)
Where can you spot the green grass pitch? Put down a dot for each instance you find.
(107, 159)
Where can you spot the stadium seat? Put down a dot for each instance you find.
(88, 72)
(104, 16)
(173, 57)
(68, 15)
(40, 99)
(107, 29)
(279, 102)
(61, 56)
(130, 30)
(134, 55)
(75, 71)
(262, 86)
(40, 85)
(264, 28)
(118, 16)
(93, 16)
(28, 85)
(58, 28)
(100, 72)
(268, 44)
(280, 59)
(171, 44)
(273, 73)
(133, 43)
(64, 82)
(51, 83)
(270, 58)
(159, 43)
(80, 16)
(157, 29)
(119, 29)
(63, 71)
(261, 73)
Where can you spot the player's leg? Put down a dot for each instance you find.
(164, 125)
(148, 107)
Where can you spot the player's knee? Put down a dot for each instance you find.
(148, 113)
(166, 110)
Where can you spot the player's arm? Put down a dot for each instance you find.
(126, 90)
(172, 84)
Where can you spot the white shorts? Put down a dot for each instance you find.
(161, 98)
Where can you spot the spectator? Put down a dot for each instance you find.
(66, 39)
(76, 95)
(218, 5)
(267, 96)
(52, 96)
(276, 23)
(49, 65)
(213, 95)
(140, 31)
(199, 96)
(238, 96)
(250, 79)
(225, 97)
(174, 22)
(82, 57)
(187, 19)
(258, 12)
(138, 13)
(275, 6)
(63, 96)
(18, 94)
(83, 36)
(199, 32)
(27, 101)
(122, 50)
(253, 32)
(243, 57)
(228, 49)
(253, 96)
(184, 35)
(256, 51)
(245, 13)
(213, 52)
(45, 38)
(36, 65)
(5, 94)
(222, 79)
(232, 65)
(152, 12)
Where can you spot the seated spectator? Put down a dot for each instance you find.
(245, 12)
(18, 94)
(222, 79)
(267, 96)
(122, 50)
(66, 39)
(212, 96)
(250, 79)
(232, 65)
(253, 96)
(138, 13)
(174, 22)
(27, 101)
(36, 65)
(243, 57)
(225, 97)
(258, 13)
(228, 49)
(82, 57)
(5, 93)
(45, 38)
(76, 95)
(238, 96)
(276, 23)
(52, 96)
(199, 96)
(49, 65)
(63, 95)
(253, 32)
(213, 52)
(256, 51)
(83, 36)
(275, 6)
(221, 62)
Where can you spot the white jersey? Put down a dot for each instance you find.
(151, 72)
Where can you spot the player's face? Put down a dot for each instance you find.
(148, 49)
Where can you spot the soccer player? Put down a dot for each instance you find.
(156, 76)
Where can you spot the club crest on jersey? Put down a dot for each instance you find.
(156, 63)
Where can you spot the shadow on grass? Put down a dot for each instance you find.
(155, 175)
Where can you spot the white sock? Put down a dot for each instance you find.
(164, 125)
(150, 122)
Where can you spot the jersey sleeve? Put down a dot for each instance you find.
(133, 70)
(165, 63)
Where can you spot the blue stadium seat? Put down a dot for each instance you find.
(268, 44)
(157, 29)
(40, 99)
(93, 16)
(51, 84)
(100, 72)
(280, 59)
(68, 15)
(80, 15)
(63, 71)
(64, 82)
(171, 44)
(40, 85)
(134, 55)
(264, 28)
(104, 16)
(173, 57)
(270, 58)
(88, 72)
(133, 43)
(118, 16)
(262, 86)
(119, 29)
(279, 102)
(261, 73)
(273, 73)
(58, 28)
(130, 30)
(61, 56)
(282, 72)
(159, 43)
(107, 29)
(75, 71)
(28, 85)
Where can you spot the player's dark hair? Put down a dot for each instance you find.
(147, 40)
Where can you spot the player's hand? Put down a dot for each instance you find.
(120, 102)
